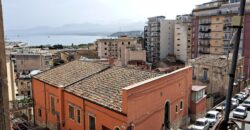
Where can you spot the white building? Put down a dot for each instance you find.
(159, 38)
(182, 40)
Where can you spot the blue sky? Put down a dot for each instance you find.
(23, 14)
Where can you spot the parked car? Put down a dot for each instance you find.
(201, 124)
(246, 104)
(235, 103)
(222, 106)
(240, 112)
(212, 117)
(239, 97)
(245, 95)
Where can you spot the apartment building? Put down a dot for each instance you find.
(95, 96)
(213, 32)
(26, 62)
(183, 37)
(122, 50)
(159, 38)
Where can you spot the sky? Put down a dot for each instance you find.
(25, 14)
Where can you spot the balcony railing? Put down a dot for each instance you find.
(205, 22)
(204, 52)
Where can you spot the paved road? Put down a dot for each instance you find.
(247, 126)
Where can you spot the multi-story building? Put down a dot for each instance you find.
(122, 50)
(26, 62)
(212, 71)
(95, 96)
(159, 38)
(212, 29)
(183, 37)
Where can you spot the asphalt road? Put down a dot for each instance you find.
(247, 126)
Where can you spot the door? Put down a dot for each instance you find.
(166, 123)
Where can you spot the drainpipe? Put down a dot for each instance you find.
(46, 115)
(34, 117)
(84, 124)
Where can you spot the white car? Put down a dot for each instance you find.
(245, 95)
(212, 117)
(240, 112)
(235, 102)
(201, 124)
(246, 104)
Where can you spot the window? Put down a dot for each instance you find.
(117, 128)
(105, 43)
(105, 128)
(105, 48)
(176, 108)
(129, 43)
(189, 41)
(181, 105)
(78, 116)
(39, 111)
(105, 54)
(71, 112)
(91, 122)
(196, 96)
(52, 104)
(122, 43)
(205, 74)
(217, 19)
(178, 44)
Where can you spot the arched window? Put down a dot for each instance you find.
(117, 128)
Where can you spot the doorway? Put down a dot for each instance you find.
(166, 124)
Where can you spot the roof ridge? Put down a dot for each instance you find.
(54, 68)
(104, 69)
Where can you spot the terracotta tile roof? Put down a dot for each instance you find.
(70, 73)
(105, 88)
(96, 82)
(219, 61)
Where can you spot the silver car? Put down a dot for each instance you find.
(240, 112)
(201, 124)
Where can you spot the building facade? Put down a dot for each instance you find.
(100, 97)
(26, 62)
(122, 50)
(212, 71)
(183, 37)
(213, 32)
(159, 38)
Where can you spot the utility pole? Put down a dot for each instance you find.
(237, 23)
(4, 98)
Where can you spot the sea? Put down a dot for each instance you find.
(36, 40)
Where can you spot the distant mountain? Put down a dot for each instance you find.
(78, 29)
(128, 33)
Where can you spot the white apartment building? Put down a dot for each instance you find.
(159, 38)
(182, 38)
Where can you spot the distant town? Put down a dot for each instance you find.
(175, 75)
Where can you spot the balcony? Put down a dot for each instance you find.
(205, 30)
(204, 44)
(204, 52)
(205, 22)
(202, 36)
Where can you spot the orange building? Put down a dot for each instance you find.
(84, 95)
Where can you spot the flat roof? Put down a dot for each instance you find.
(198, 88)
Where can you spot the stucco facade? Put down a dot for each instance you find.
(182, 38)
(146, 114)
